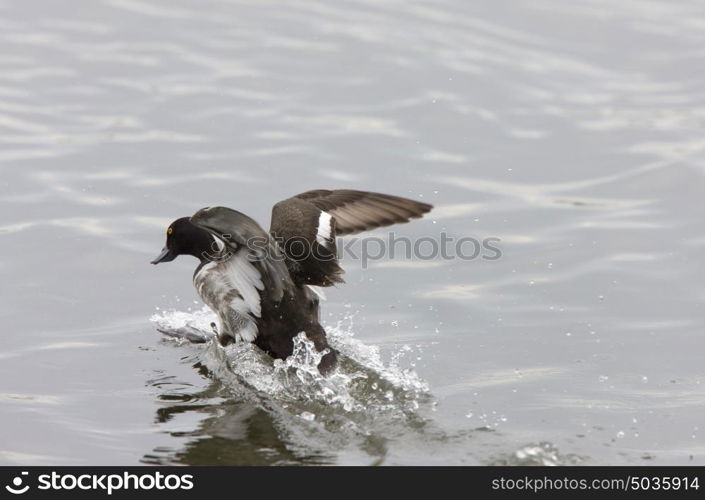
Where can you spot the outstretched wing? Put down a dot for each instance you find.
(236, 230)
(306, 226)
(356, 211)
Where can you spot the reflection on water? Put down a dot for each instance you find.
(572, 131)
(228, 433)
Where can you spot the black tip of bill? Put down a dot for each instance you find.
(165, 256)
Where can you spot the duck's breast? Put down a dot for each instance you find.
(232, 288)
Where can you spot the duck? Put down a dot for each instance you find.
(264, 287)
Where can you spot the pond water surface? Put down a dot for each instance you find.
(572, 131)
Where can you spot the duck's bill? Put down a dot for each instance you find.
(166, 256)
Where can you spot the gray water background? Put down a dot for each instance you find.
(573, 131)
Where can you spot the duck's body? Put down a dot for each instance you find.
(234, 290)
(260, 284)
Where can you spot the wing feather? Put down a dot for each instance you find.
(357, 211)
(352, 212)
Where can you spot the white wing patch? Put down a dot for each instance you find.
(220, 244)
(324, 229)
(318, 291)
(231, 289)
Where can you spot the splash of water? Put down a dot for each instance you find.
(362, 387)
(365, 402)
(541, 454)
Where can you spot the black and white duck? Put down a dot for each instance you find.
(262, 286)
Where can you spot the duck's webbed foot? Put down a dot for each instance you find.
(317, 335)
(328, 362)
(189, 333)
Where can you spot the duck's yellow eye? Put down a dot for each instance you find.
(170, 230)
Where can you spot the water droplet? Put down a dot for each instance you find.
(620, 434)
(308, 416)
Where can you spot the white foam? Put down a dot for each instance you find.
(173, 320)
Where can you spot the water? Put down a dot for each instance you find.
(571, 131)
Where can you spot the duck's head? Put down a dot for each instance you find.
(183, 238)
